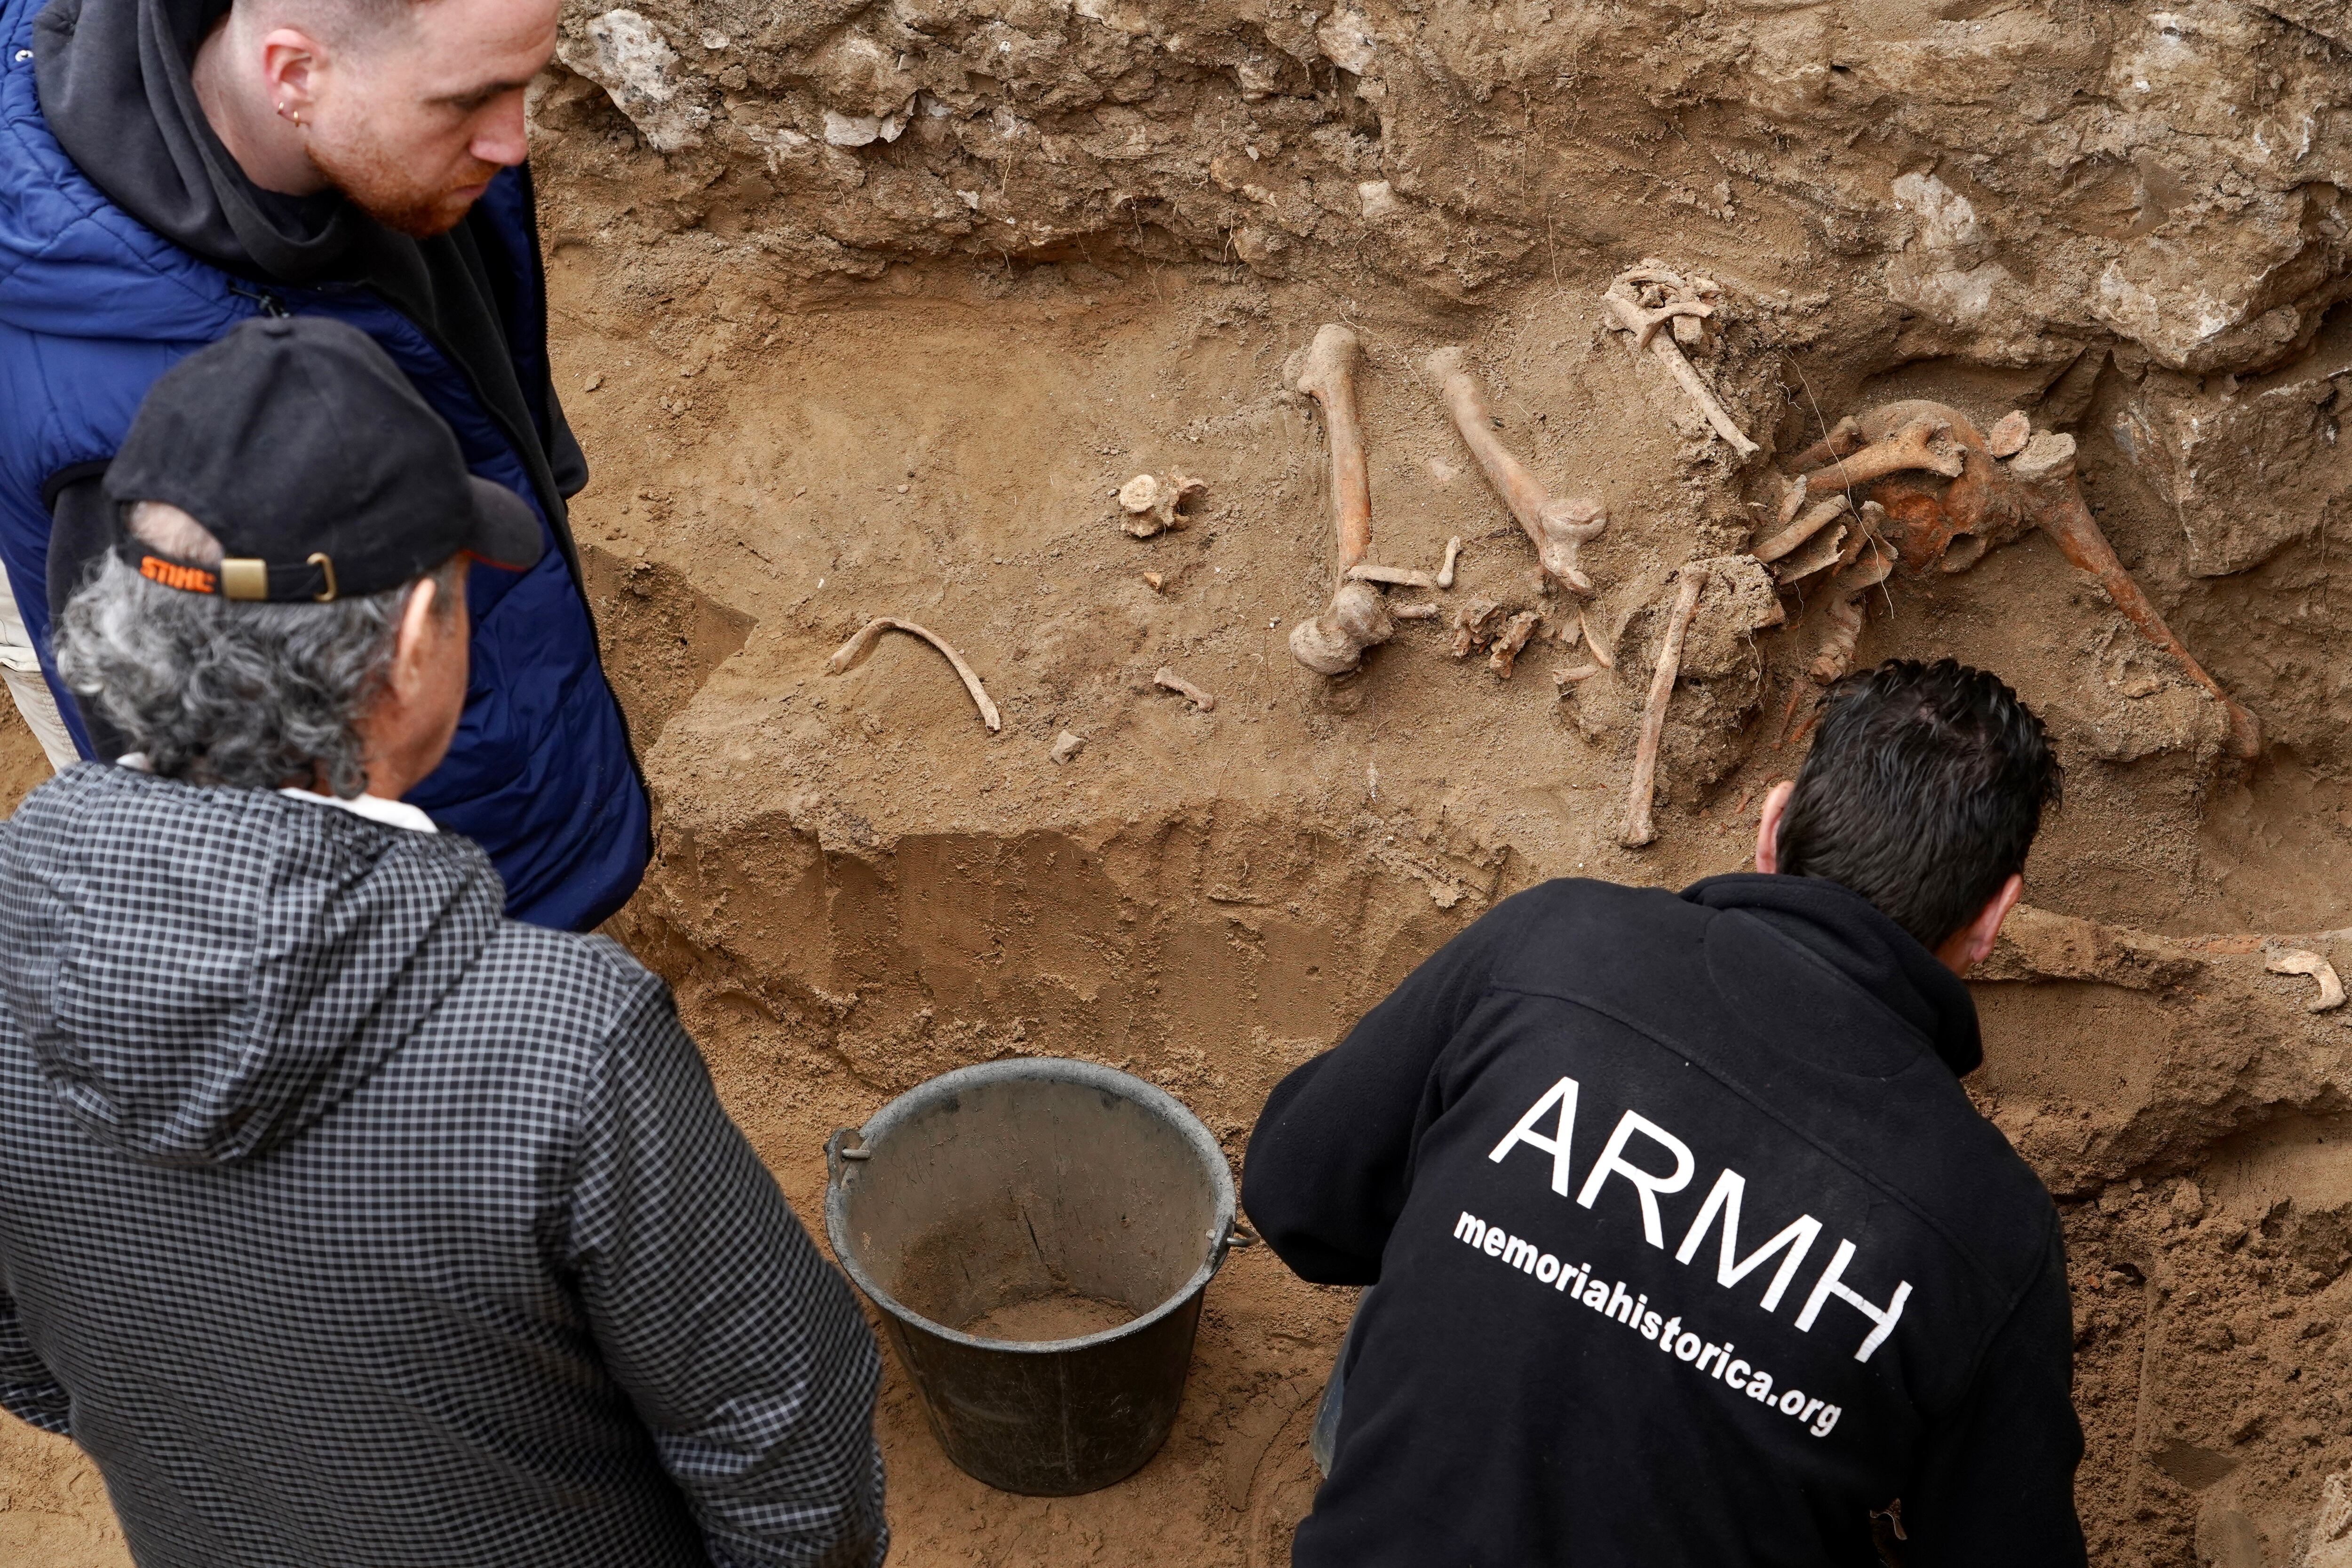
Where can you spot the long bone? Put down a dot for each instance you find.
(1638, 829)
(1558, 529)
(1334, 642)
(1643, 321)
(1922, 444)
(1809, 522)
(1992, 502)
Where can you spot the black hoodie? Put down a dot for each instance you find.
(1688, 1247)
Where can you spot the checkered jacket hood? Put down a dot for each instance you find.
(199, 986)
(343, 1221)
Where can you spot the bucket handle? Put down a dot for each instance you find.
(1235, 1234)
(837, 1149)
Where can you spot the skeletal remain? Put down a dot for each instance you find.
(1505, 653)
(1473, 625)
(1391, 577)
(1923, 444)
(1155, 505)
(1677, 298)
(2299, 961)
(1558, 529)
(1792, 499)
(1428, 612)
(1155, 581)
(1571, 675)
(2008, 435)
(1066, 745)
(1845, 437)
(1987, 503)
(1168, 679)
(1603, 653)
(1453, 553)
(1849, 607)
(1334, 642)
(1638, 830)
(1819, 553)
(851, 654)
(1809, 522)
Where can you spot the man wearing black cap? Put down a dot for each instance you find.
(170, 168)
(343, 1220)
(1684, 1244)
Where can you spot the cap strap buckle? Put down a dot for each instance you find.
(326, 565)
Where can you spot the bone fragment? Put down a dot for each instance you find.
(1505, 653)
(1155, 505)
(1392, 576)
(1603, 653)
(1849, 607)
(1571, 675)
(1334, 642)
(1066, 745)
(1923, 444)
(2049, 454)
(2298, 961)
(1819, 553)
(1809, 522)
(2008, 435)
(851, 654)
(1328, 376)
(1792, 499)
(1473, 625)
(1642, 323)
(1415, 612)
(1453, 553)
(1155, 581)
(1558, 529)
(1845, 437)
(1168, 681)
(1638, 829)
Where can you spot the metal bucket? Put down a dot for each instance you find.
(1024, 1184)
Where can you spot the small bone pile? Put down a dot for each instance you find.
(1154, 504)
(1651, 296)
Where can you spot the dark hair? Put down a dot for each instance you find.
(1922, 792)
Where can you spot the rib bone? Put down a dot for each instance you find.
(2299, 961)
(1809, 522)
(1559, 529)
(851, 654)
(1638, 829)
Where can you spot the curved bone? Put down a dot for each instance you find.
(1558, 529)
(1922, 444)
(1638, 830)
(1329, 377)
(1168, 679)
(851, 654)
(2297, 961)
(1334, 642)
(1809, 522)
(1849, 607)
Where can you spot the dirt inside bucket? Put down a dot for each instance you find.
(1063, 1315)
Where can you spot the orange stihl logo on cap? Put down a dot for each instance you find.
(187, 579)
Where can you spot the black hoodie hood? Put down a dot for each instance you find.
(200, 974)
(114, 89)
(1849, 933)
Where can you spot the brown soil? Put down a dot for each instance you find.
(1064, 1315)
(867, 311)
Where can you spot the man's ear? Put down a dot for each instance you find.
(291, 64)
(413, 644)
(1767, 829)
(1972, 943)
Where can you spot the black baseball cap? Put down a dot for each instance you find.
(308, 454)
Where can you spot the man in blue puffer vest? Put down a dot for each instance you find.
(169, 168)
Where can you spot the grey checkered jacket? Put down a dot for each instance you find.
(343, 1221)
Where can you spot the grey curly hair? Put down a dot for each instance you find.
(220, 691)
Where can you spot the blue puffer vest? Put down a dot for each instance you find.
(94, 305)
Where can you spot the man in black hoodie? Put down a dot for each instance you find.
(170, 168)
(342, 1220)
(1687, 1245)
